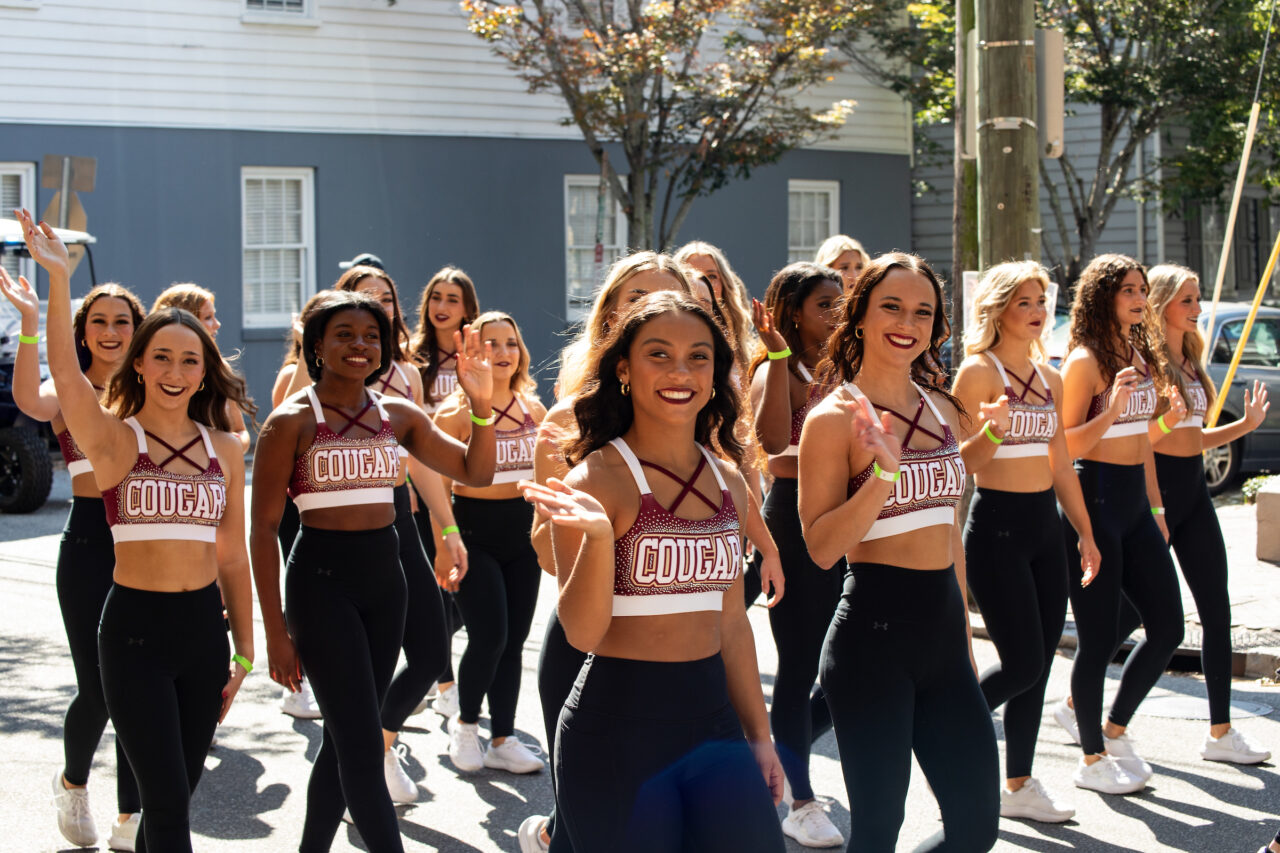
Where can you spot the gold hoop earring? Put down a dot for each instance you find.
(713, 393)
(138, 376)
(857, 332)
(201, 388)
(319, 361)
(625, 388)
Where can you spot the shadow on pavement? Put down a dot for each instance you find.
(230, 790)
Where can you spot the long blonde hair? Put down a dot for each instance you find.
(575, 358)
(521, 382)
(992, 297)
(734, 300)
(1163, 283)
(835, 246)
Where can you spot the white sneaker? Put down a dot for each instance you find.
(513, 756)
(1066, 717)
(810, 826)
(530, 834)
(1106, 776)
(1033, 802)
(1233, 747)
(446, 704)
(464, 745)
(346, 817)
(302, 704)
(1121, 749)
(124, 836)
(75, 821)
(399, 785)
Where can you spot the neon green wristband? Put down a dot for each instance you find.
(887, 476)
(245, 663)
(28, 339)
(1160, 423)
(489, 421)
(452, 528)
(774, 356)
(986, 430)
(1157, 510)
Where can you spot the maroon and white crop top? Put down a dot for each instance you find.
(931, 482)
(77, 462)
(515, 445)
(666, 564)
(1032, 423)
(798, 416)
(342, 470)
(1137, 411)
(386, 386)
(151, 503)
(1197, 399)
(445, 383)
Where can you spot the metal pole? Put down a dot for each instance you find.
(1211, 420)
(64, 199)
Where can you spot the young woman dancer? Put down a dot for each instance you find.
(194, 298)
(499, 592)
(843, 254)
(173, 492)
(798, 315)
(879, 486)
(335, 447)
(639, 771)
(448, 303)
(103, 324)
(1013, 539)
(1108, 396)
(1193, 526)
(729, 291)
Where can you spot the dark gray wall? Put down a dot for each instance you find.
(167, 208)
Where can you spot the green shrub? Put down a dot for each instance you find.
(1251, 486)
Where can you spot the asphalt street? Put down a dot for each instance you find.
(252, 795)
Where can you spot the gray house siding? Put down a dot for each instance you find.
(167, 208)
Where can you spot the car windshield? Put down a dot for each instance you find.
(1263, 348)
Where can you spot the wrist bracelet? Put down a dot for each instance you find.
(986, 430)
(774, 356)
(887, 476)
(1157, 510)
(245, 663)
(28, 339)
(452, 528)
(489, 421)
(1160, 423)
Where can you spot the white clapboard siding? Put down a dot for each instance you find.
(411, 68)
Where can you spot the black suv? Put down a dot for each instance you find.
(26, 445)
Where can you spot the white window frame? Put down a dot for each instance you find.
(832, 190)
(26, 173)
(305, 17)
(308, 245)
(618, 245)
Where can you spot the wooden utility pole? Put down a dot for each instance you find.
(1008, 147)
(964, 207)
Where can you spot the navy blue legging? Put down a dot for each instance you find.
(1136, 565)
(558, 668)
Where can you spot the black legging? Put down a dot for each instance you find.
(497, 598)
(799, 714)
(1196, 538)
(1135, 562)
(1017, 571)
(651, 757)
(452, 619)
(86, 560)
(165, 659)
(558, 668)
(426, 645)
(896, 671)
(345, 605)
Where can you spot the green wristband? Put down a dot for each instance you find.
(489, 421)
(452, 528)
(245, 663)
(1157, 511)
(28, 339)
(986, 430)
(887, 476)
(1160, 423)
(774, 356)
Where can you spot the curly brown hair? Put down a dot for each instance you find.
(126, 394)
(1094, 324)
(845, 348)
(603, 412)
(81, 318)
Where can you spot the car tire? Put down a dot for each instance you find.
(26, 471)
(1222, 466)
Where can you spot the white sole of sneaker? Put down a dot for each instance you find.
(1033, 814)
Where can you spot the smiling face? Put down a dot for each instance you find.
(1131, 300)
(641, 284)
(818, 315)
(108, 328)
(670, 367)
(1183, 310)
(706, 265)
(351, 346)
(171, 366)
(446, 308)
(501, 336)
(849, 265)
(208, 317)
(381, 293)
(899, 318)
(1024, 317)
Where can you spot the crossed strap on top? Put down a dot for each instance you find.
(637, 472)
(385, 384)
(1190, 373)
(446, 356)
(174, 452)
(913, 424)
(686, 485)
(317, 406)
(505, 413)
(1005, 373)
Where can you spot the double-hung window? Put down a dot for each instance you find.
(18, 189)
(278, 243)
(813, 215)
(587, 219)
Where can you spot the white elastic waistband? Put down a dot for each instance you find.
(80, 466)
(512, 476)
(664, 604)
(1015, 451)
(344, 497)
(1190, 422)
(910, 521)
(792, 450)
(144, 532)
(1123, 430)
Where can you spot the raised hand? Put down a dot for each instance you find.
(1122, 388)
(43, 244)
(1255, 406)
(21, 294)
(874, 435)
(996, 414)
(567, 507)
(1177, 409)
(763, 321)
(475, 365)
